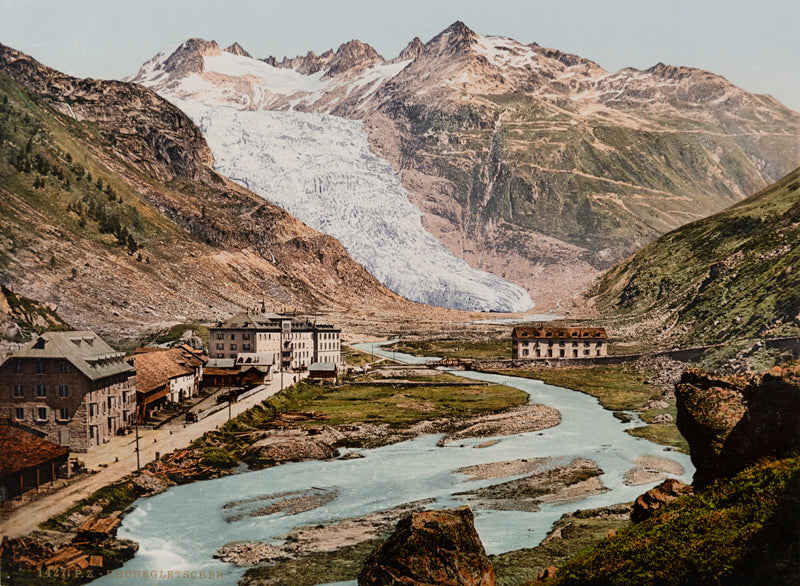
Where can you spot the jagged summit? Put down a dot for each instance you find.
(534, 164)
(237, 49)
(412, 50)
(179, 60)
(352, 56)
(456, 39)
(188, 58)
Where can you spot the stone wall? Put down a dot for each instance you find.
(683, 355)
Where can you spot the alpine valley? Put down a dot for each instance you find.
(537, 166)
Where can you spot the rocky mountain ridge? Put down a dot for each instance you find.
(533, 164)
(110, 211)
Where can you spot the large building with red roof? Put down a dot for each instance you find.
(548, 341)
(166, 376)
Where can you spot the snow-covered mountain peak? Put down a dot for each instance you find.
(320, 168)
(518, 154)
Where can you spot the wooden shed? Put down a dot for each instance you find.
(28, 460)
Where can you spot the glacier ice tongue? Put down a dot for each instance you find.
(321, 170)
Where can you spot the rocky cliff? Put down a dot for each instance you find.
(731, 422)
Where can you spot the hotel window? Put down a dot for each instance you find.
(220, 336)
(63, 391)
(19, 413)
(92, 409)
(245, 347)
(220, 346)
(233, 347)
(245, 336)
(233, 336)
(39, 367)
(41, 413)
(62, 368)
(63, 414)
(41, 391)
(18, 366)
(18, 391)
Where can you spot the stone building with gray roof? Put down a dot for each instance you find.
(294, 342)
(71, 386)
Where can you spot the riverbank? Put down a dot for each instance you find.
(335, 551)
(292, 426)
(641, 387)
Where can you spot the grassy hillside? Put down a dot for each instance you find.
(738, 531)
(732, 276)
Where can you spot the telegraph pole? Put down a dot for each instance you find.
(137, 444)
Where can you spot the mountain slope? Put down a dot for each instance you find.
(109, 210)
(533, 164)
(321, 170)
(733, 275)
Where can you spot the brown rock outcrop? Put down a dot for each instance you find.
(272, 451)
(430, 548)
(730, 422)
(657, 497)
(352, 56)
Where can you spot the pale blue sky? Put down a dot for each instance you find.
(753, 44)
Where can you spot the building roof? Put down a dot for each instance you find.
(220, 363)
(156, 369)
(266, 321)
(322, 367)
(548, 331)
(22, 449)
(261, 359)
(258, 368)
(193, 355)
(85, 350)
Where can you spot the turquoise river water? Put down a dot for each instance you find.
(179, 530)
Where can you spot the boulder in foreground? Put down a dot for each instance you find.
(430, 548)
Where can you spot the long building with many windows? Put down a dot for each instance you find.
(546, 341)
(294, 342)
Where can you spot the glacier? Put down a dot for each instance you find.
(321, 170)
